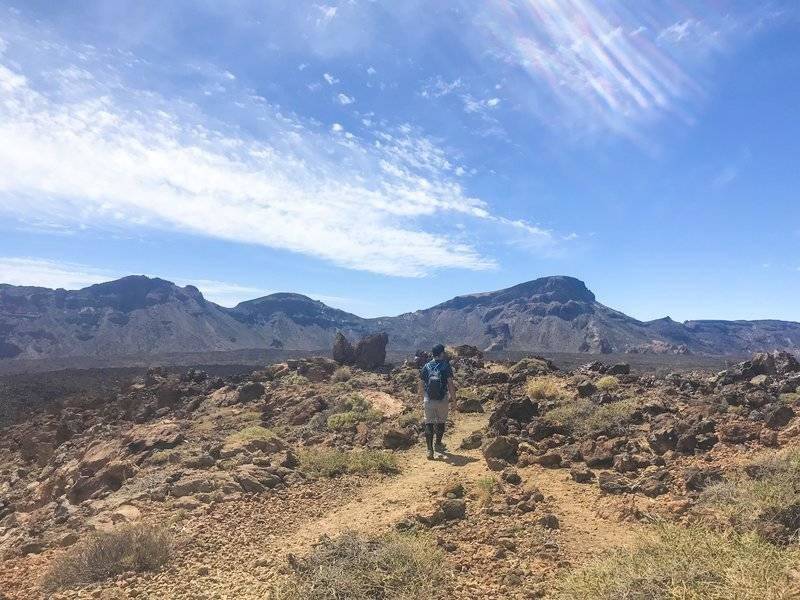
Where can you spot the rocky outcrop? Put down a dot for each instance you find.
(343, 351)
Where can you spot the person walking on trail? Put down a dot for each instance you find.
(436, 387)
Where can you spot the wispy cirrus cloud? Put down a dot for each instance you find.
(103, 152)
(608, 66)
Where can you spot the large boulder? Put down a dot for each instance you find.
(370, 351)
(503, 448)
(343, 352)
(398, 439)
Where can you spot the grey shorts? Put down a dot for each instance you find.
(435, 410)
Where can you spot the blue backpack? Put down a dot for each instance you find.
(436, 382)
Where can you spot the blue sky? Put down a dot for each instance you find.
(386, 156)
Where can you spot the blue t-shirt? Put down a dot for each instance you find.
(444, 368)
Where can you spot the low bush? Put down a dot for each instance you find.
(409, 419)
(688, 564)
(357, 567)
(607, 383)
(545, 388)
(583, 417)
(330, 463)
(106, 554)
(341, 375)
(763, 497)
(353, 409)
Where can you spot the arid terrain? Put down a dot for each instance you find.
(308, 478)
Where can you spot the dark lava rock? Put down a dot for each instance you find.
(454, 509)
(511, 476)
(473, 441)
(251, 391)
(581, 474)
(343, 352)
(586, 389)
(614, 483)
(370, 351)
(469, 405)
(697, 480)
(779, 417)
(549, 521)
(502, 447)
(398, 439)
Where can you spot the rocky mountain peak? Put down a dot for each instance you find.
(135, 292)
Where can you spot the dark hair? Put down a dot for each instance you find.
(437, 350)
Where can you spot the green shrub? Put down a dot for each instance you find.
(747, 502)
(103, 555)
(353, 409)
(607, 383)
(583, 417)
(357, 567)
(330, 463)
(790, 398)
(294, 378)
(677, 563)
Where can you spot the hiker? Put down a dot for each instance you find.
(435, 388)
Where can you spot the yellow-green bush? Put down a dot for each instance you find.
(352, 410)
(583, 417)
(330, 463)
(607, 383)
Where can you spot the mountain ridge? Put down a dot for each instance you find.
(137, 315)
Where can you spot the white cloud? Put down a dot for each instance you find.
(492, 102)
(599, 66)
(330, 78)
(327, 14)
(129, 161)
(371, 71)
(438, 87)
(222, 292)
(344, 99)
(37, 272)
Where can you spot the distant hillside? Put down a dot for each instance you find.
(138, 315)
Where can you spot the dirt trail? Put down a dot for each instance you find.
(376, 508)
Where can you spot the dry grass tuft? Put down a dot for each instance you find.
(330, 463)
(749, 502)
(687, 564)
(545, 388)
(485, 488)
(607, 383)
(356, 567)
(106, 554)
